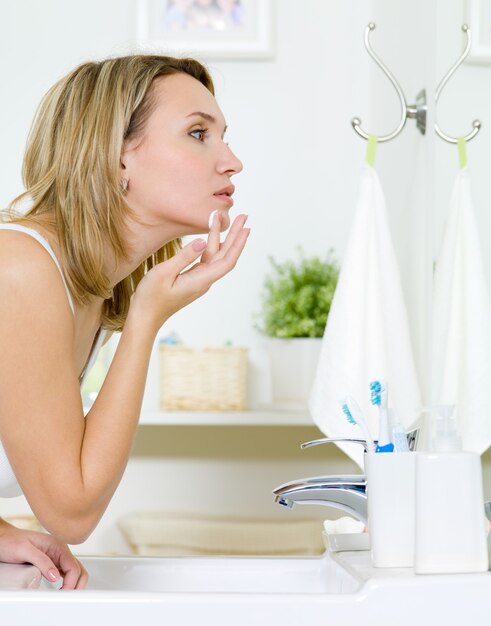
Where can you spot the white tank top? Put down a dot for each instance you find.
(9, 487)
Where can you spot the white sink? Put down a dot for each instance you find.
(223, 575)
(339, 588)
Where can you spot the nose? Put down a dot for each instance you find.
(229, 163)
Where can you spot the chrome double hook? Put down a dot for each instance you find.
(416, 111)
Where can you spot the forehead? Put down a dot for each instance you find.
(181, 94)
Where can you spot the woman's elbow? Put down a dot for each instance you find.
(70, 519)
(72, 529)
(74, 533)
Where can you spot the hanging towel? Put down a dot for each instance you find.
(367, 335)
(461, 346)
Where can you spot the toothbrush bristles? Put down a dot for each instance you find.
(351, 409)
(376, 392)
(350, 418)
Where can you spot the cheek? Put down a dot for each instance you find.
(168, 181)
(173, 167)
(155, 172)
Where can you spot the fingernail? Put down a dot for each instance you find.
(212, 217)
(53, 575)
(198, 245)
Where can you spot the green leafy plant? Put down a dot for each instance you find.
(297, 296)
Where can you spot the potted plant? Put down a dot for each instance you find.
(296, 299)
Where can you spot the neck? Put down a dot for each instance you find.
(141, 241)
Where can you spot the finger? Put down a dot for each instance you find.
(48, 569)
(190, 253)
(75, 574)
(201, 276)
(236, 227)
(213, 245)
(222, 266)
(82, 581)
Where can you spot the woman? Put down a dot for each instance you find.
(125, 157)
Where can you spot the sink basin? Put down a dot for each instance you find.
(247, 575)
(339, 588)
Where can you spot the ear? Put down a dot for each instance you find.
(128, 152)
(123, 159)
(124, 174)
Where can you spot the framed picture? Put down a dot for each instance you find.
(209, 29)
(478, 18)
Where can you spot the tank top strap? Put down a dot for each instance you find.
(34, 233)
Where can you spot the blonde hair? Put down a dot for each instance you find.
(71, 169)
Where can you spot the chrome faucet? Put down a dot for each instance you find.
(347, 492)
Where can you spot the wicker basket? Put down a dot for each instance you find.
(202, 379)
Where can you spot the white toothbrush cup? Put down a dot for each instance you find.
(391, 499)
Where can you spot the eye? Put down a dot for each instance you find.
(199, 133)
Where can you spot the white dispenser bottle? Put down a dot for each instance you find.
(450, 533)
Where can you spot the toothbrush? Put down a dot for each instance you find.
(378, 397)
(355, 416)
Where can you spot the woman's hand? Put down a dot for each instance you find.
(51, 557)
(169, 286)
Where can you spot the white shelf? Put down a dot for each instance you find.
(258, 417)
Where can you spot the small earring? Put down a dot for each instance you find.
(124, 185)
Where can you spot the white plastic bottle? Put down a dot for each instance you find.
(450, 533)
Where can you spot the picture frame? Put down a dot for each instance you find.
(207, 29)
(478, 18)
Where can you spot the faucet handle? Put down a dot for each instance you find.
(412, 439)
(318, 442)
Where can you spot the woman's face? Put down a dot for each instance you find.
(179, 170)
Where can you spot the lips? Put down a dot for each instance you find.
(225, 195)
(226, 191)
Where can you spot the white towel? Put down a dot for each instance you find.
(367, 335)
(461, 353)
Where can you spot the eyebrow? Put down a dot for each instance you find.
(208, 117)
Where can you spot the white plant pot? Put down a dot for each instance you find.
(293, 365)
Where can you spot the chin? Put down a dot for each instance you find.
(225, 221)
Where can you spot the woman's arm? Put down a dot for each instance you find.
(51, 557)
(68, 466)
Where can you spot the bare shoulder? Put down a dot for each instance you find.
(29, 277)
